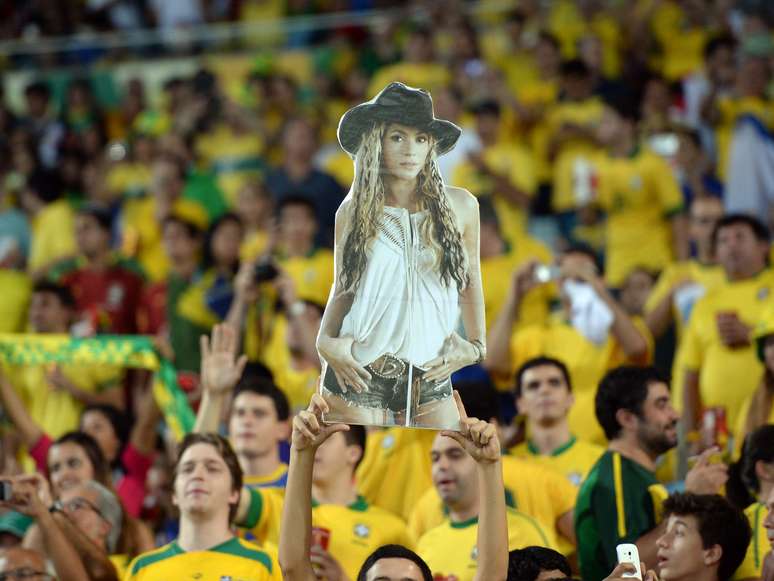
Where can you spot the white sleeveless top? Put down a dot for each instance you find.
(401, 306)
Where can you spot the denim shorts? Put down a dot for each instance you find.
(388, 387)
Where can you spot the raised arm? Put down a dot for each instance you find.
(309, 433)
(221, 370)
(479, 439)
(29, 430)
(143, 435)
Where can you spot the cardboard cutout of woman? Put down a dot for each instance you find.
(406, 271)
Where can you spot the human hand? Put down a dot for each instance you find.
(286, 288)
(325, 566)
(732, 331)
(523, 279)
(704, 477)
(477, 437)
(309, 431)
(57, 379)
(220, 368)
(337, 353)
(245, 287)
(25, 497)
(456, 353)
(621, 568)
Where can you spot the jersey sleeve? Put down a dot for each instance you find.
(264, 514)
(661, 290)
(691, 347)
(667, 189)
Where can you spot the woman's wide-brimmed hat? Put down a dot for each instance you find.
(397, 103)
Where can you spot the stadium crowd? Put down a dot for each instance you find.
(621, 154)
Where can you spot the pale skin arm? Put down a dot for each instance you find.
(309, 432)
(566, 527)
(221, 369)
(479, 439)
(691, 400)
(460, 353)
(111, 396)
(28, 429)
(143, 435)
(337, 351)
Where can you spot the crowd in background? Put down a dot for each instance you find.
(621, 154)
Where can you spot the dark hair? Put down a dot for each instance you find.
(626, 107)
(118, 420)
(297, 200)
(264, 387)
(191, 229)
(46, 184)
(480, 399)
(486, 107)
(257, 369)
(527, 564)
(209, 259)
(546, 36)
(626, 388)
(394, 552)
(62, 293)
(720, 523)
(586, 250)
(38, 88)
(224, 450)
(759, 230)
(487, 213)
(101, 215)
(574, 68)
(758, 446)
(541, 362)
(356, 436)
(93, 452)
(718, 42)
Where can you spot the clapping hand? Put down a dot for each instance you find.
(477, 437)
(220, 368)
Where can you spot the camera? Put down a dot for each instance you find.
(544, 274)
(265, 271)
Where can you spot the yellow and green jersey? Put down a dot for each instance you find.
(234, 559)
(574, 459)
(752, 566)
(355, 531)
(277, 479)
(451, 551)
(619, 501)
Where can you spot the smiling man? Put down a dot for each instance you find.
(620, 500)
(705, 539)
(207, 486)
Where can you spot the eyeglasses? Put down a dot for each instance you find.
(25, 573)
(78, 503)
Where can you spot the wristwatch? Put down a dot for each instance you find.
(57, 506)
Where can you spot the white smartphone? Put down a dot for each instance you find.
(628, 553)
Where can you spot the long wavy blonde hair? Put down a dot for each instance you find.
(367, 208)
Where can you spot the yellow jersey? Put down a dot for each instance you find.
(53, 409)
(496, 277)
(639, 194)
(52, 235)
(233, 559)
(574, 459)
(355, 531)
(741, 422)
(428, 76)
(720, 366)
(536, 491)
(396, 469)
(752, 566)
(278, 478)
(730, 109)
(586, 362)
(516, 164)
(451, 551)
(253, 245)
(312, 274)
(17, 290)
(142, 232)
(129, 179)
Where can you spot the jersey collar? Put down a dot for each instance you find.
(554, 453)
(359, 505)
(464, 524)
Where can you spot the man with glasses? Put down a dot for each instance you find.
(95, 511)
(25, 497)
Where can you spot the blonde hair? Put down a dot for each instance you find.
(367, 208)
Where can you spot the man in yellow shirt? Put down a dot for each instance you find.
(540, 493)
(475, 437)
(640, 195)
(258, 414)
(717, 348)
(348, 529)
(498, 257)
(207, 489)
(544, 395)
(501, 171)
(56, 395)
(588, 345)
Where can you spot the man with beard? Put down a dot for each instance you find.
(620, 500)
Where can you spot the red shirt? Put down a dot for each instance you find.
(109, 297)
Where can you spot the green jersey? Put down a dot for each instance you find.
(618, 502)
